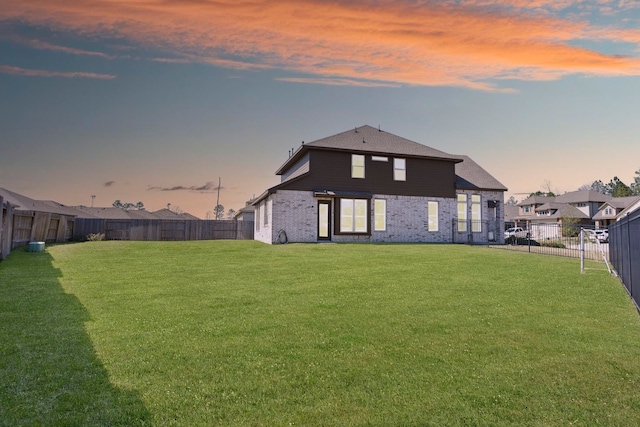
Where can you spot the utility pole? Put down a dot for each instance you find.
(218, 199)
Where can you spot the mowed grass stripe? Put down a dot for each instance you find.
(241, 333)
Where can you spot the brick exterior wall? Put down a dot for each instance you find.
(296, 212)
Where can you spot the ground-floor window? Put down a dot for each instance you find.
(476, 213)
(380, 215)
(462, 212)
(353, 215)
(432, 211)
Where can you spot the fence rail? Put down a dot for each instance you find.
(624, 236)
(556, 239)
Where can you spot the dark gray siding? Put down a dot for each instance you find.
(331, 170)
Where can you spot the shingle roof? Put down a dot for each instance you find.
(582, 196)
(368, 139)
(562, 210)
(470, 175)
(536, 200)
(25, 203)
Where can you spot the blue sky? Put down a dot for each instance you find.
(154, 101)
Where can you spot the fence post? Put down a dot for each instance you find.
(582, 250)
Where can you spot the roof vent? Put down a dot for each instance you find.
(363, 141)
(356, 129)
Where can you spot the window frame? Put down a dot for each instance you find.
(380, 212)
(461, 201)
(433, 211)
(339, 216)
(399, 173)
(476, 210)
(356, 167)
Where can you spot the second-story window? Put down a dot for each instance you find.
(399, 169)
(357, 166)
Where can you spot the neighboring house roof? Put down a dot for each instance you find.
(510, 213)
(169, 214)
(582, 196)
(106, 213)
(368, 139)
(629, 209)
(70, 210)
(24, 203)
(469, 175)
(248, 209)
(561, 210)
(536, 200)
(619, 204)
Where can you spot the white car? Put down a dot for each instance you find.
(602, 235)
(516, 232)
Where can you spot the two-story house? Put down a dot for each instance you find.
(367, 185)
(580, 206)
(613, 209)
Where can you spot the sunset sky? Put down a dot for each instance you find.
(155, 100)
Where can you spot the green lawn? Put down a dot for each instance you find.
(240, 333)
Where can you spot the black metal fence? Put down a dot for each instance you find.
(624, 238)
(556, 239)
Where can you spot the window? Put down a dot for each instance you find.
(608, 211)
(380, 215)
(462, 212)
(399, 169)
(476, 213)
(353, 215)
(266, 213)
(432, 210)
(379, 159)
(257, 216)
(526, 209)
(357, 166)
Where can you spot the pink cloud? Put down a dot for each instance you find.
(8, 69)
(466, 43)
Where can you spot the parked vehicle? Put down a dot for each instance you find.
(516, 232)
(602, 236)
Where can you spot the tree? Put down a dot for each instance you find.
(231, 213)
(599, 187)
(128, 205)
(512, 201)
(617, 188)
(635, 185)
(218, 211)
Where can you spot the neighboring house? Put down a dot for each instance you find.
(367, 185)
(540, 213)
(510, 214)
(169, 214)
(25, 220)
(614, 209)
(245, 214)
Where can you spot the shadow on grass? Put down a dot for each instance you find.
(49, 372)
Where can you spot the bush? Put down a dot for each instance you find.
(553, 244)
(521, 241)
(95, 237)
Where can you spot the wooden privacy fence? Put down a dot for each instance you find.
(163, 229)
(18, 228)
